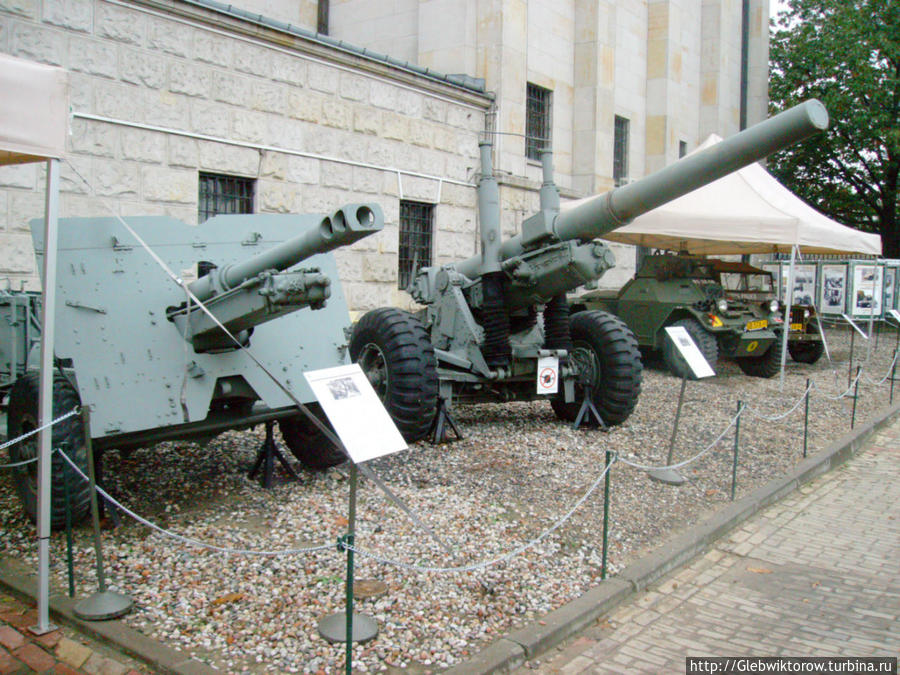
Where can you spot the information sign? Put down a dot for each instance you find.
(355, 412)
(548, 375)
(689, 351)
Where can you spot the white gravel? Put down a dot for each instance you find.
(516, 473)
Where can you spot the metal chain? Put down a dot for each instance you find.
(189, 540)
(73, 411)
(845, 394)
(783, 415)
(883, 379)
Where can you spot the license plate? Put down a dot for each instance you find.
(756, 325)
(796, 326)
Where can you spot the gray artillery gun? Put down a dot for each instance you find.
(478, 337)
(153, 366)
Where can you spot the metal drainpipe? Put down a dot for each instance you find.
(322, 23)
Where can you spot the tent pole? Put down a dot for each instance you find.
(45, 404)
(788, 304)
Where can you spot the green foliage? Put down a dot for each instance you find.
(846, 53)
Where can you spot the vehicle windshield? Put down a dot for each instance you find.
(751, 286)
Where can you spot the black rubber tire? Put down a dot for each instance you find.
(307, 442)
(22, 417)
(393, 349)
(705, 341)
(806, 352)
(767, 365)
(604, 345)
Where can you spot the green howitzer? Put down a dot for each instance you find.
(481, 316)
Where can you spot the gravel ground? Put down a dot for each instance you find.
(517, 472)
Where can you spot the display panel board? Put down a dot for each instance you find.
(804, 283)
(833, 289)
(866, 289)
(890, 287)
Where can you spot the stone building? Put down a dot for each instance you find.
(192, 107)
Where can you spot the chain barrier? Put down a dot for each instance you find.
(775, 418)
(189, 540)
(73, 411)
(846, 392)
(705, 450)
(494, 561)
(885, 378)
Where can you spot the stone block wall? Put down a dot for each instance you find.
(158, 96)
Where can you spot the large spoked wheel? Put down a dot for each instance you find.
(68, 436)
(394, 351)
(767, 365)
(609, 365)
(705, 342)
(806, 352)
(307, 442)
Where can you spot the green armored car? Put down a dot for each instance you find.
(728, 308)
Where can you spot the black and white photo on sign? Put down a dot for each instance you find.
(834, 289)
(890, 285)
(804, 284)
(342, 388)
(866, 298)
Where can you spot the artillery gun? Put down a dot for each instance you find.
(479, 337)
(153, 366)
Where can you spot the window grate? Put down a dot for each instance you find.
(620, 151)
(537, 120)
(224, 194)
(416, 228)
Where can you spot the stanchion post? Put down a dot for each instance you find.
(855, 397)
(806, 420)
(894, 370)
(606, 513)
(850, 367)
(737, 442)
(70, 564)
(351, 530)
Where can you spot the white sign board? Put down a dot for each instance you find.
(355, 412)
(689, 351)
(857, 328)
(548, 375)
(895, 315)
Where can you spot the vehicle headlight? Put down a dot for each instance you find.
(805, 313)
(773, 306)
(722, 305)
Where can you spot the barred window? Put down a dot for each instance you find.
(416, 228)
(224, 194)
(537, 120)
(620, 151)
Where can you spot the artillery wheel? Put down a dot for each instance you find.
(607, 355)
(767, 365)
(806, 352)
(22, 417)
(307, 443)
(705, 342)
(394, 351)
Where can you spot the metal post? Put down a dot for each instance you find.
(850, 367)
(606, 513)
(788, 304)
(737, 440)
(806, 419)
(348, 600)
(45, 399)
(70, 563)
(667, 475)
(855, 397)
(893, 372)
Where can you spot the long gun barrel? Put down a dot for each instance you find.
(595, 216)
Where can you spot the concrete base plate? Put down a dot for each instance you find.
(667, 476)
(334, 627)
(103, 606)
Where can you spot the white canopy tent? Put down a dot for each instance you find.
(33, 127)
(747, 211)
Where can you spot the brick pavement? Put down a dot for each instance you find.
(814, 575)
(62, 651)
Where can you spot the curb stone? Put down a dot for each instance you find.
(511, 651)
(539, 637)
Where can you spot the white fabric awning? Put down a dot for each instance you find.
(33, 111)
(747, 211)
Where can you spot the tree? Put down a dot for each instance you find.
(846, 53)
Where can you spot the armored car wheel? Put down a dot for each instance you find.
(705, 342)
(609, 362)
(806, 352)
(767, 365)
(68, 435)
(394, 351)
(307, 443)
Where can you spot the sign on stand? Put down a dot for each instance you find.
(855, 327)
(700, 368)
(366, 432)
(548, 375)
